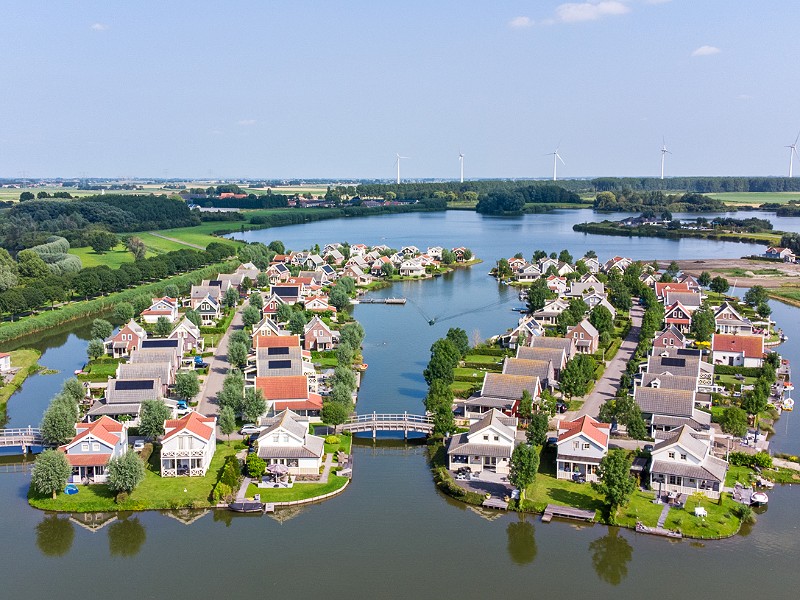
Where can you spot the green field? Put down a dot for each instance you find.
(756, 198)
(25, 360)
(199, 235)
(316, 190)
(113, 258)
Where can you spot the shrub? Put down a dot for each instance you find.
(221, 491)
(742, 459)
(147, 451)
(231, 472)
(332, 439)
(121, 497)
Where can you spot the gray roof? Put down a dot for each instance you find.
(154, 355)
(272, 365)
(677, 403)
(509, 386)
(312, 447)
(459, 444)
(310, 450)
(286, 420)
(565, 344)
(712, 468)
(670, 382)
(688, 299)
(543, 369)
(686, 437)
(555, 355)
(100, 408)
(201, 291)
(161, 371)
(580, 288)
(132, 391)
(494, 418)
(489, 402)
(674, 364)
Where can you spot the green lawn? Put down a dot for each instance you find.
(326, 360)
(154, 493)
(100, 369)
(720, 522)
(756, 198)
(300, 491)
(477, 374)
(24, 359)
(113, 258)
(345, 444)
(483, 358)
(159, 245)
(200, 235)
(546, 489)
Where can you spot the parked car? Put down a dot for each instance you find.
(249, 429)
(138, 445)
(648, 447)
(181, 405)
(198, 363)
(561, 407)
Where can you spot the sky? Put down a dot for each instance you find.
(288, 89)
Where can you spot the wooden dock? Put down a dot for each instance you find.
(567, 512)
(382, 301)
(495, 503)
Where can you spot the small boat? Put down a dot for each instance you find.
(246, 506)
(788, 386)
(362, 367)
(788, 405)
(71, 489)
(78, 372)
(765, 483)
(759, 499)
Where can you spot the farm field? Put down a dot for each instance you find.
(756, 198)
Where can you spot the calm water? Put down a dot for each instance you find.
(391, 534)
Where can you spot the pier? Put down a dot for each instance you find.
(20, 440)
(382, 301)
(567, 512)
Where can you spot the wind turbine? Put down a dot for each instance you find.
(792, 153)
(397, 164)
(461, 164)
(556, 156)
(664, 153)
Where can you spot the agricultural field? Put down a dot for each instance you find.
(316, 190)
(113, 258)
(756, 198)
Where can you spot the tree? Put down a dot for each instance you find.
(616, 482)
(254, 405)
(50, 472)
(24, 196)
(73, 389)
(232, 392)
(444, 358)
(345, 376)
(734, 421)
(754, 402)
(575, 377)
(503, 269)
(251, 315)
(95, 349)
(524, 465)
(256, 300)
(703, 323)
(255, 465)
(345, 354)
(756, 295)
(353, 334)
(102, 241)
(125, 472)
(444, 422)
(123, 312)
(525, 405)
(237, 354)
(719, 285)
(537, 296)
(341, 394)
(635, 424)
(231, 298)
(101, 329)
(277, 247)
(297, 323)
(565, 257)
(388, 270)
(284, 313)
(162, 327)
(602, 320)
(338, 298)
(673, 269)
(187, 386)
(620, 297)
(335, 413)
(764, 310)
(136, 246)
(704, 279)
(227, 420)
(262, 281)
(537, 428)
(31, 266)
(151, 420)
(194, 317)
(459, 339)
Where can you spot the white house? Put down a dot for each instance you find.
(5, 362)
(683, 464)
(188, 336)
(728, 320)
(161, 307)
(737, 350)
(582, 443)
(487, 445)
(92, 447)
(188, 445)
(784, 254)
(411, 268)
(286, 441)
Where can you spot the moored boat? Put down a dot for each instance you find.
(759, 499)
(246, 506)
(788, 404)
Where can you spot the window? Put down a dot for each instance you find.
(672, 455)
(486, 438)
(576, 445)
(85, 446)
(276, 438)
(95, 446)
(497, 438)
(683, 457)
(586, 446)
(285, 438)
(673, 480)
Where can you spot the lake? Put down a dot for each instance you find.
(391, 534)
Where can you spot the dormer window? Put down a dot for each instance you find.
(671, 455)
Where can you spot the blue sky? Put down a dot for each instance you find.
(335, 89)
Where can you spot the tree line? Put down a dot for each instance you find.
(629, 200)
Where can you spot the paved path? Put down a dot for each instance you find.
(242, 493)
(177, 241)
(326, 470)
(786, 464)
(663, 517)
(606, 388)
(217, 369)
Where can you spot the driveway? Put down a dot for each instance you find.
(606, 388)
(218, 367)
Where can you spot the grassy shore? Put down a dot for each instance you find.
(154, 493)
(26, 361)
(300, 491)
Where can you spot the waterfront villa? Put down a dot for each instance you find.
(549, 313)
(737, 350)
(209, 309)
(188, 445)
(582, 443)
(567, 344)
(778, 253)
(286, 441)
(683, 464)
(165, 307)
(124, 398)
(188, 336)
(92, 447)
(318, 336)
(728, 320)
(128, 338)
(667, 409)
(486, 446)
(156, 370)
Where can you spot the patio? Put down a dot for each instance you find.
(485, 482)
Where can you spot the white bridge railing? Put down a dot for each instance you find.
(375, 422)
(21, 435)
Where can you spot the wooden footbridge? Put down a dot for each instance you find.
(20, 440)
(375, 422)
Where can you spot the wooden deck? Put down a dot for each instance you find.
(566, 512)
(495, 503)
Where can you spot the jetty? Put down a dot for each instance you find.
(382, 301)
(641, 528)
(567, 512)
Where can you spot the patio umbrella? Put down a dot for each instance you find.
(278, 469)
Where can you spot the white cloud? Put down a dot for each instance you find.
(246, 122)
(520, 22)
(98, 26)
(706, 51)
(575, 12)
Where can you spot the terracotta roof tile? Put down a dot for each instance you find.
(194, 422)
(751, 345)
(276, 341)
(283, 388)
(586, 425)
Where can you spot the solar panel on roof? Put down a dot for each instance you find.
(278, 351)
(673, 362)
(280, 364)
(159, 344)
(134, 384)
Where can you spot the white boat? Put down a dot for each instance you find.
(788, 404)
(788, 386)
(759, 498)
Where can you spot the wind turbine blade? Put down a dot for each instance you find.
(797, 138)
(561, 159)
(794, 149)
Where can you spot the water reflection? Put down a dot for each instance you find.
(126, 537)
(521, 541)
(610, 556)
(54, 535)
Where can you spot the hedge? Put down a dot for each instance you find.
(742, 459)
(483, 366)
(87, 308)
(745, 371)
(467, 378)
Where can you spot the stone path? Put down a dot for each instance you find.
(242, 493)
(326, 469)
(606, 387)
(663, 518)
